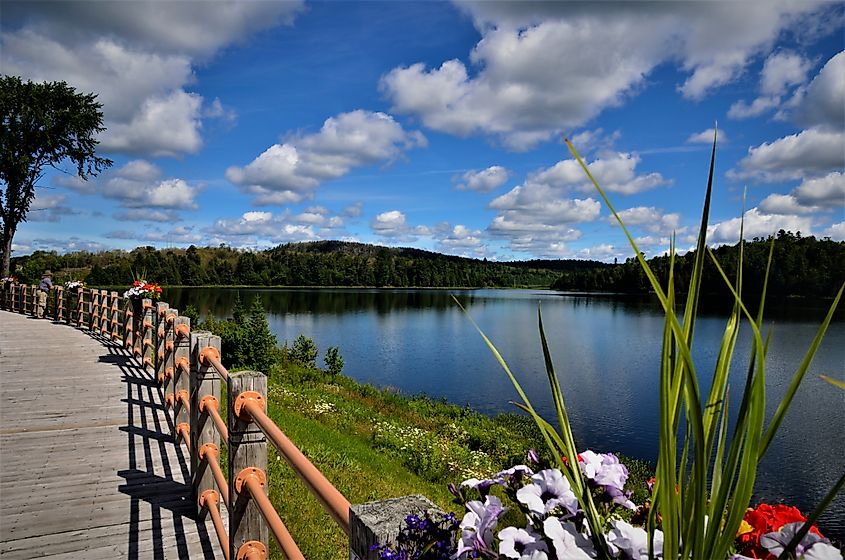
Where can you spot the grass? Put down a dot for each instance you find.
(374, 444)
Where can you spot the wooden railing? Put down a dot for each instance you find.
(188, 367)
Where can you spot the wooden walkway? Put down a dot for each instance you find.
(87, 466)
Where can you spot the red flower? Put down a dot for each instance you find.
(765, 519)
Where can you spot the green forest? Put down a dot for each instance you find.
(801, 266)
(320, 263)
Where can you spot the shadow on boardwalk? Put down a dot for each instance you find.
(88, 465)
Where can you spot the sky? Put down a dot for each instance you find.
(440, 125)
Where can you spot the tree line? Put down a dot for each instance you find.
(801, 266)
(320, 263)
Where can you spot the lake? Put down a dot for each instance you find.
(606, 351)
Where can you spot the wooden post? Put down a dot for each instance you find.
(80, 306)
(105, 307)
(33, 295)
(60, 303)
(128, 323)
(161, 323)
(247, 448)
(147, 342)
(379, 522)
(204, 383)
(94, 310)
(181, 381)
(23, 298)
(114, 317)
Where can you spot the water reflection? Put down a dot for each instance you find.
(606, 350)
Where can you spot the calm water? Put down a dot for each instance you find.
(606, 351)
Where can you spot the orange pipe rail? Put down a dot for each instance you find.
(185, 399)
(212, 356)
(211, 454)
(333, 501)
(210, 500)
(253, 481)
(210, 406)
(184, 429)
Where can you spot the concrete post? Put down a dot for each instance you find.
(379, 523)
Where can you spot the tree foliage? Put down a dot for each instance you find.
(42, 124)
(802, 266)
(322, 263)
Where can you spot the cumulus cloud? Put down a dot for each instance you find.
(60, 245)
(812, 195)
(781, 71)
(540, 68)
(393, 225)
(706, 137)
(268, 228)
(289, 172)
(138, 187)
(757, 224)
(809, 153)
(614, 171)
(460, 240)
(483, 181)
(179, 235)
(49, 208)
(651, 219)
(822, 102)
(137, 57)
(835, 232)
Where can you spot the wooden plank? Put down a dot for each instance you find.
(87, 466)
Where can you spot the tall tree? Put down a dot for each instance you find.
(41, 124)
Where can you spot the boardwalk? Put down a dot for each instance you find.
(87, 466)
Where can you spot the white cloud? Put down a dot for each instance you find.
(614, 172)
(835, 232)
(353, 210)
(482, 181)
(265, 228)
(181, 235)
(540, 68)
(650, 219)
(461, 240)
(49, 208)
(757, 224)
(706, 137)
(811, 152)
(138, 57)
(393, 225)
(163, 126)
(812, 195)
(290, 172)
(138, 186)
(781, 71)
(146, 214)
(822, 102)
(60, 245)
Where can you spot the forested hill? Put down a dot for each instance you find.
(801, 266)
(319, 263)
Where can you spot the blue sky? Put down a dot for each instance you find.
(440, 125)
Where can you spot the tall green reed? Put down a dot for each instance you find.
(701, 493)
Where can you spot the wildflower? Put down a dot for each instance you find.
(478, 524)
(812, 547)
(520, 543)
(631, 542)
(548, 490)
(569, 544)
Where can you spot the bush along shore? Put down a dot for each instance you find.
(372, 443)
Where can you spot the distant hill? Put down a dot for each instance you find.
(316, 263)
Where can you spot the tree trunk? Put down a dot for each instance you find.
(8, 234)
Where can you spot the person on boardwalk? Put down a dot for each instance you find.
(44, 288)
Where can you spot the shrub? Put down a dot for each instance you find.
(334, 361)
(304, 351)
